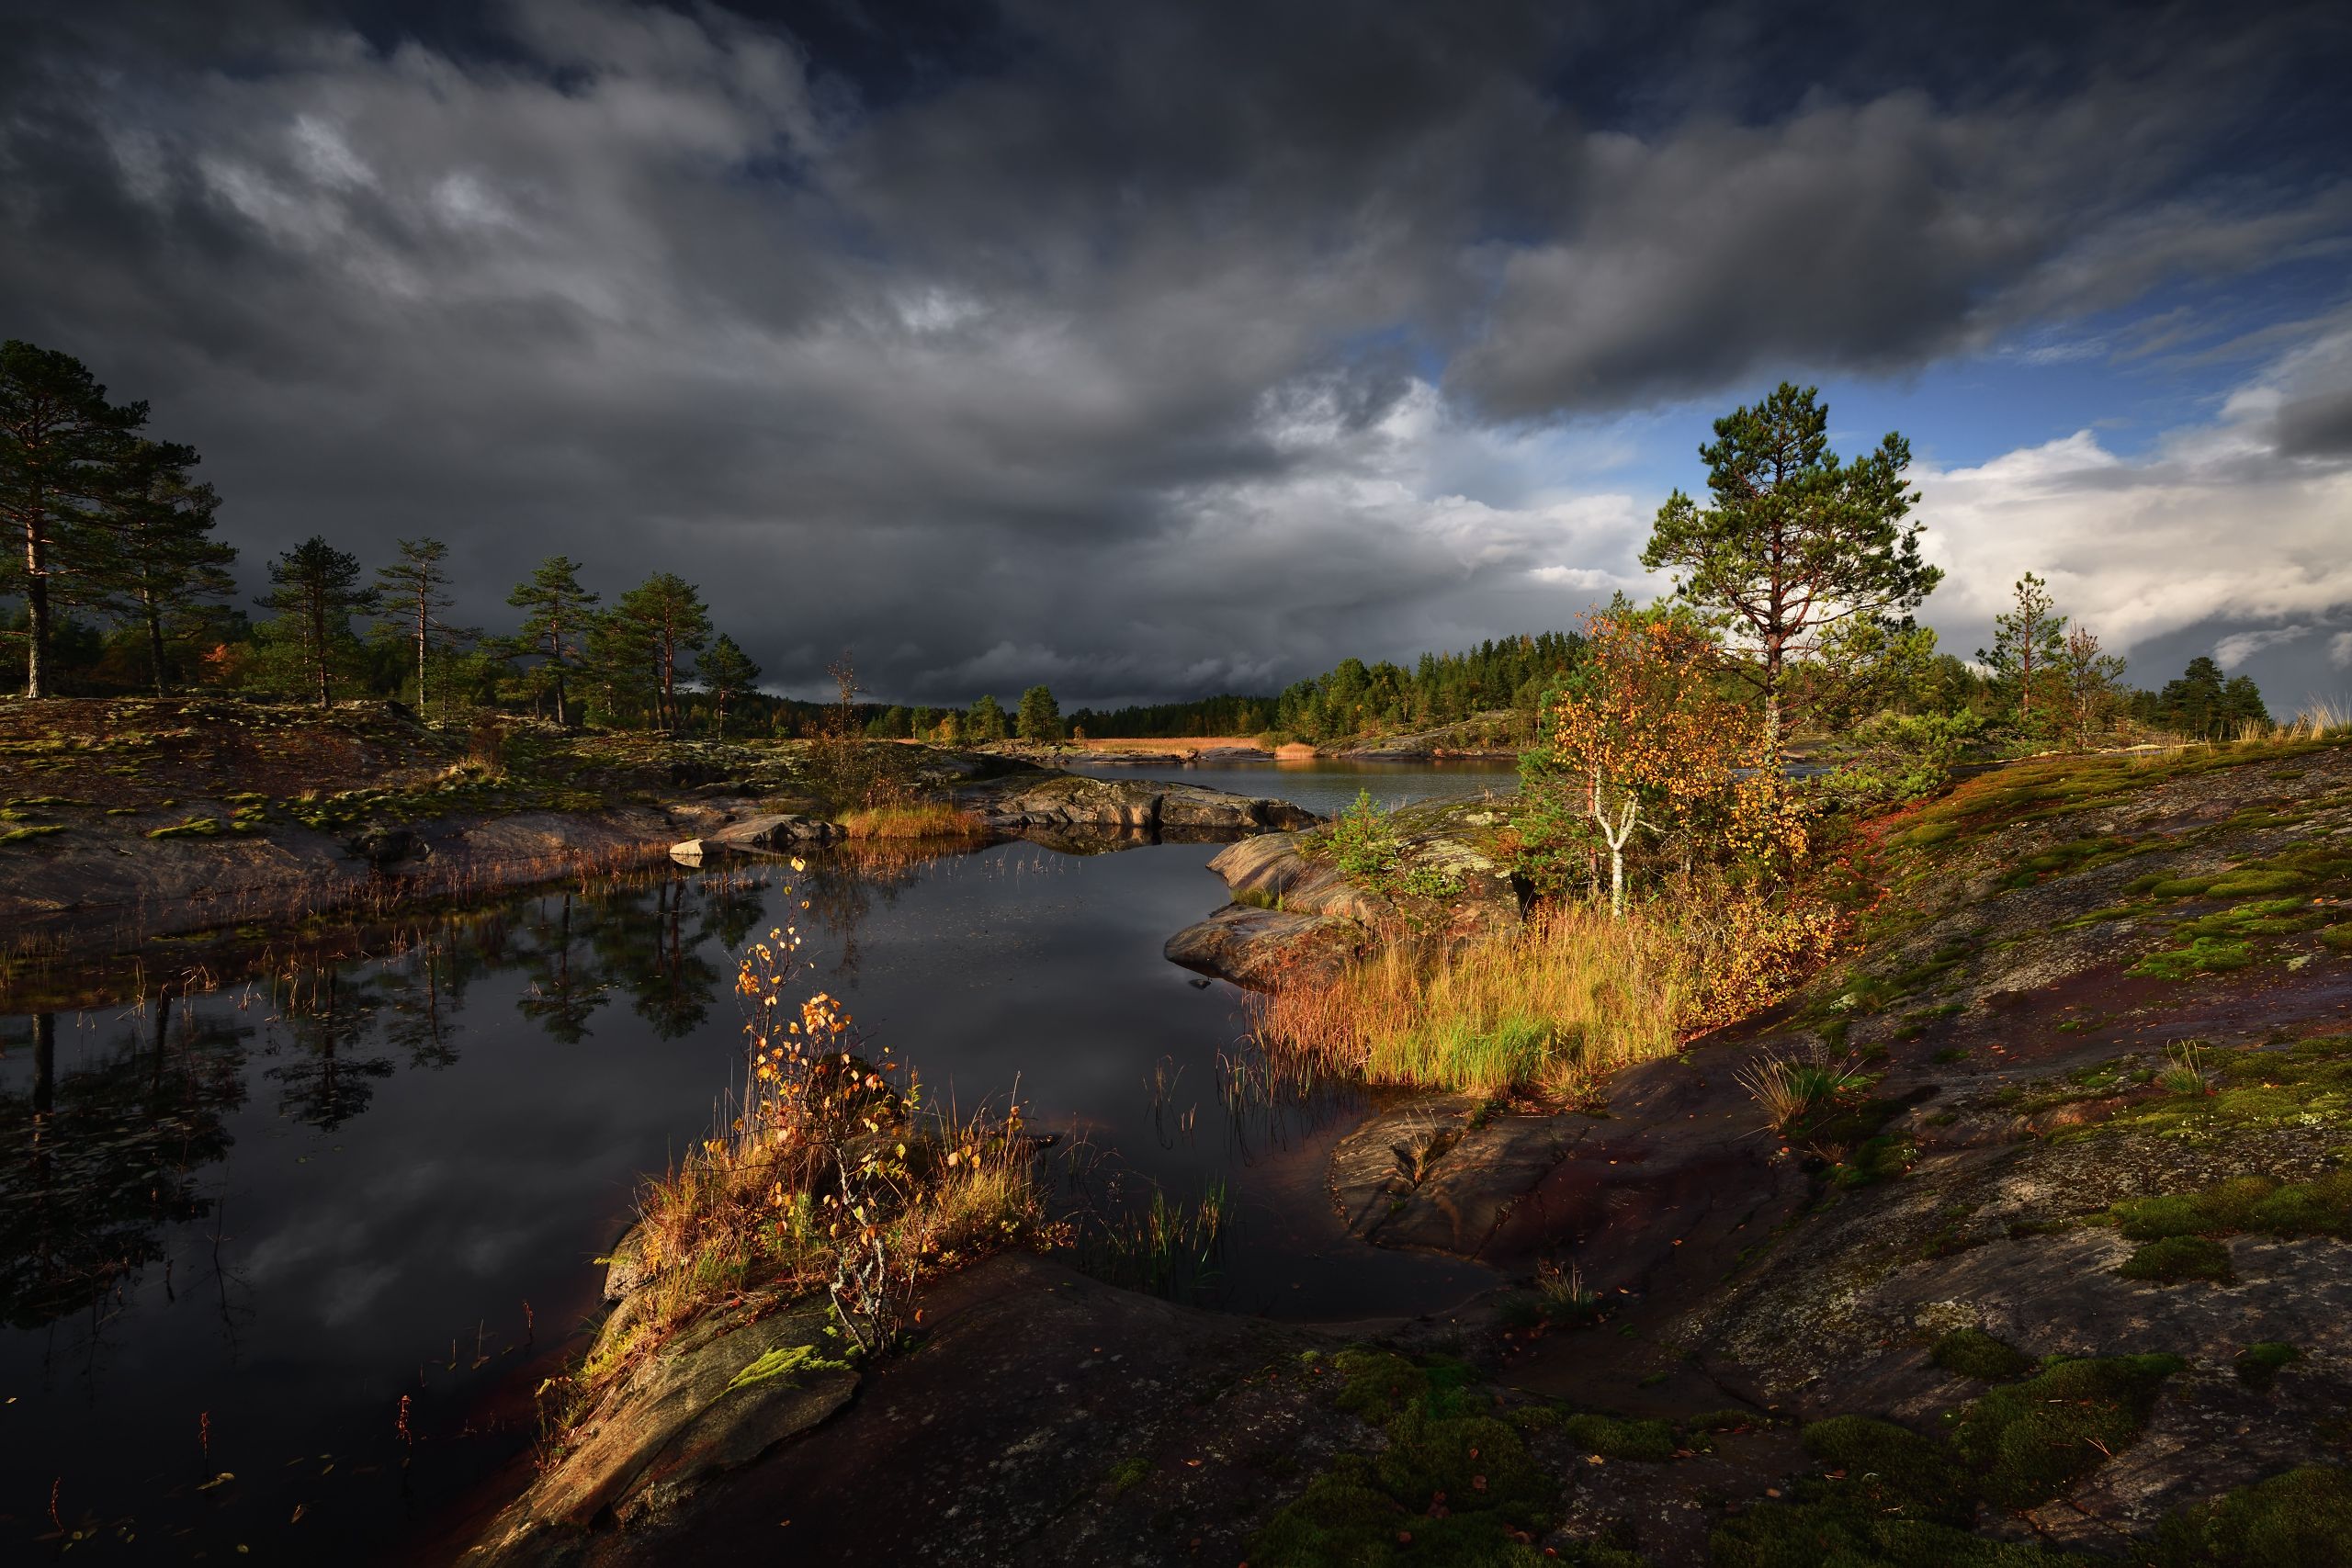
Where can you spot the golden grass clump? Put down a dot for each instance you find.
(1571, 996)
(917, 820)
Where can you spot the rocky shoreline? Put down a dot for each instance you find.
(1737, 1294)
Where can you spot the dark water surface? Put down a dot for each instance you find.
(321, 1237)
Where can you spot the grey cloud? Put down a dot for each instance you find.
(989, 344)
(2317, 426)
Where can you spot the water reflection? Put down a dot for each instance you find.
(101, 1158)
(244, 1228)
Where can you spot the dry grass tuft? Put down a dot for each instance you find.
(1791, 1088)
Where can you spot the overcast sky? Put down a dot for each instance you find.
(1150, 349)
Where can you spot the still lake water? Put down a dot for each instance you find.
(322, 1240)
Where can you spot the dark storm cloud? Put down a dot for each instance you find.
(1118, 345)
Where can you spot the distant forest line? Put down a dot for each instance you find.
(117, 582)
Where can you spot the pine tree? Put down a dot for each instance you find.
(658, 622)
(2026, 645)
(555, 626)
(983, 722)
(415, 589)
(1040, 717)
(315, 590)
(728, 671)
(63, 448)
(164, 559)
(1797, 540)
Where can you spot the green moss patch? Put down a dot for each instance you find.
(1449, 1487)
(2204, 955)
(2308, 1085)
(36, 830)
(1973, 1353)
(2259, 1364)
(2300, 1519)
(2319, 1207)
(2178, 1258)
(1888, 1498)
(1610, 1438)
(193, 828)
(2025, 1443)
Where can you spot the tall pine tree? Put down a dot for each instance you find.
(2028, 645)
(726, 672)
(163, 562)
(658, 622)
(415, 590)
(1797, 540)
(556, 620)
(63, 451)
(315, 590)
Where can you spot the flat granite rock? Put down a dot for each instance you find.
(1435, 1177)
(1257, 948)
(718, 1399)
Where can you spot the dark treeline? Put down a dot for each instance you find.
(115, 581)
(1356, 698)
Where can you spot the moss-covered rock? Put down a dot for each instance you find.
(2300, 1520)
(2025, 1443)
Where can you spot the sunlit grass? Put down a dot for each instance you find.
(920, 819)
(1569, 998)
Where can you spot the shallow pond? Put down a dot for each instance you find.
(320, 1237)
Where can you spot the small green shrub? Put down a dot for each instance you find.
(2322, 1206)
(1973, 1353)
(1363, 840)
(2025, 1443)
(2178, 1258)
(1890, 1499)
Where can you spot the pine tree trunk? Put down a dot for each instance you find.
(155, 616)
(36, 611)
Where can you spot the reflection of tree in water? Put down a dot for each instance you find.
(331, 1077)
(642, 938)
(100, 1159)
(421, 999)
(564, 987)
